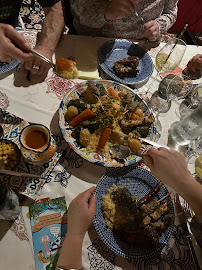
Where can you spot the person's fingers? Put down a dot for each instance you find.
(149, 161)
(24, 70)
(13, 52)
(92, 203)
(18, 39)
(5, 58)
(153, 36)
(148, 25)
(36, 65)
(191, 66)
(86, 195)
(43, 69)
(153, 152)
(151, 29)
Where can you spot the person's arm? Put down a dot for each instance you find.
(80, 216)
(168, 17)
(12, 44)
(48, 38)
(170, 167)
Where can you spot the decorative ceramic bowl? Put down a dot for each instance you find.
(17, 151)
(115, 50)
(96, 158)
(37, 155)
(139, 181)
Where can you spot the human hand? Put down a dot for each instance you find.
(168, 166)
(81, 212)
(35, 64)
(195, 63)
(151, 30)
(119, 8)
(12, 44)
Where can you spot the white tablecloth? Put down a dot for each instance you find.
(39, 102)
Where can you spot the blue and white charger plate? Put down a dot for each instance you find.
(139, 181)
(96, 158)
(7, 67)
(115, 50)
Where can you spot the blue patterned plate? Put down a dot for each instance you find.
(139, 181)
(95, 158)
(7, 67)
(115, 50)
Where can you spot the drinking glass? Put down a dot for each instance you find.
(174, 87)
(188, 129)
(175, 53)
(168, 58)
(191, 102)
(179, 87)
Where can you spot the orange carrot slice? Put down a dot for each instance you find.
(103, 139)
(113, 93)
(86, 114)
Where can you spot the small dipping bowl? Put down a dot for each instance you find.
(7, 155)
(37, 145)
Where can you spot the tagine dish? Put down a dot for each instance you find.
(100, 114)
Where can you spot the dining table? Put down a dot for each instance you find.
(37, 100)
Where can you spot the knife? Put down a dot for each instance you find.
(183, 222)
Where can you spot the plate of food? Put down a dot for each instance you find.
(134, 213)
(98, 114)
(4, 67)
(125, 62)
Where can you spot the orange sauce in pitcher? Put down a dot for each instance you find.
(35, 139)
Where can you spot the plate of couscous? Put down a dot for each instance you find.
(98, 114)
(139, 232)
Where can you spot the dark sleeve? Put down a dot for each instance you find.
(47, 3)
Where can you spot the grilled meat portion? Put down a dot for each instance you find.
(147, 209)
(127, 67)
(163, 208)
(125, 201)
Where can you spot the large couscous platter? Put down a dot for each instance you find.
(107, 113)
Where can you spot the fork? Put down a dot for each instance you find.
(187, 209)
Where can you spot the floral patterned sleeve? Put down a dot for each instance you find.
(168, 17)
(90, 12)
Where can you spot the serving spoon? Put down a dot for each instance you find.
(46, 60)
(122, 151)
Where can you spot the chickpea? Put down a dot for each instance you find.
(8, 155)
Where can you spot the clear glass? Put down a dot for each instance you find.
(187, 129)
(168, 59)
(175, 53)
(179, 87)
(191, 102)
